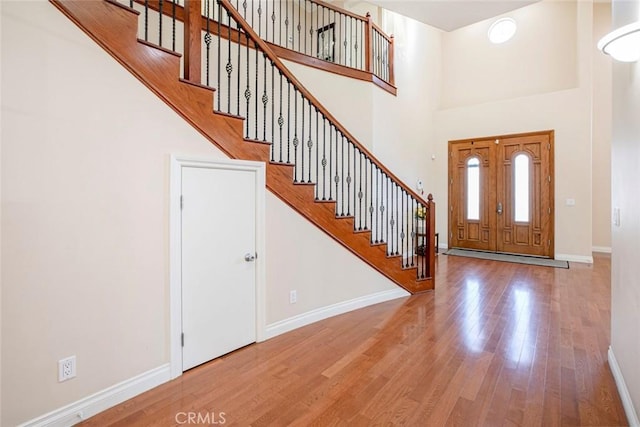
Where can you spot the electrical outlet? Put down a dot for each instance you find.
(293, 297)
(66, 368)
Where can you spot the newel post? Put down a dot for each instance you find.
(431, 235)
(368, 44)
(193, 40)
(391, 60)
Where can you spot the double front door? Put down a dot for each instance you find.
(501, 194)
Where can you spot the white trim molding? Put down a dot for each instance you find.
(175, 246)
(601, 249)
(322, 313)
(627, 403)
(102, 400)
(575, 258)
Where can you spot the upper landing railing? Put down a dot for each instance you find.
(322, 34)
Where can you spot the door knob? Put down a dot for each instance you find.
(249, 257)
(499, 210)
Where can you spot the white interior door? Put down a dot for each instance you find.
(218, 283)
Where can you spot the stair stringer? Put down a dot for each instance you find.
(114, 27)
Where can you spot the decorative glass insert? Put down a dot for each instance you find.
(473, 189)
(521, 187)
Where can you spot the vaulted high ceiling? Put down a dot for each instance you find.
(449, 15)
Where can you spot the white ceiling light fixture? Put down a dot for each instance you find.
(622, 44)
(502, 30)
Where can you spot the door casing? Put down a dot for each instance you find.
(487, 149)
(175, 246)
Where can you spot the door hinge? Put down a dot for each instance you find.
(451, 235)
(549, 210)
(451, 181)
(182, 339)
(549, 243)
(548, 146)
(451, 208)
(549, 178)
(181, 202)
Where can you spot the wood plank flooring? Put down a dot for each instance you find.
(496, 344)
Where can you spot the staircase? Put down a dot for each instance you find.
(249, 105)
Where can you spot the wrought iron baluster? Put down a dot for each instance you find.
(239, 71)
(288, 121)
(405, 262)
(260, 18)
(369, 194)
(341, 172)
(255, 135)
(273, 107)
(219, 103)
(360, 194)
(265, 98)
(317, 153)
(173, 23)
(160, 16)
(207, 42)
(375, 204)
(266, 20)
(331, 161)
(247, 91)
(146, 20)
(310, 142)
(296, 141)
(280, 118)
(324, 157)
(229, 66)
(397, 204)
(355, 46)
(414, 259)
(302, 107)
(348, 179)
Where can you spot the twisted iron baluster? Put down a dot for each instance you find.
(247, 91)
(295, 134)
(310, 142)
(280, 118)
(173, 21)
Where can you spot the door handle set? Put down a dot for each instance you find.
(249, 257)
(499, 209)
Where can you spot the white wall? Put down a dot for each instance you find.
(560, 101)
(601, 161)
(540, 58)
(625, 304)
(85, 179)
(1, 126)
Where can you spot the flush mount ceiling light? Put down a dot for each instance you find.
(622, 44)
(502, 30)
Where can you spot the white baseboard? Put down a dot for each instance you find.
(575, 258)
(105, 399)
(627, 403)
(601, 249)
(313, 316)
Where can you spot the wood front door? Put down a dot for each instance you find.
(501, 194)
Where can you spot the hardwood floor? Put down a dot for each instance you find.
(496, 344)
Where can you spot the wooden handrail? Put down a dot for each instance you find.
(339, 10)
(379, 30)
(262, 45)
